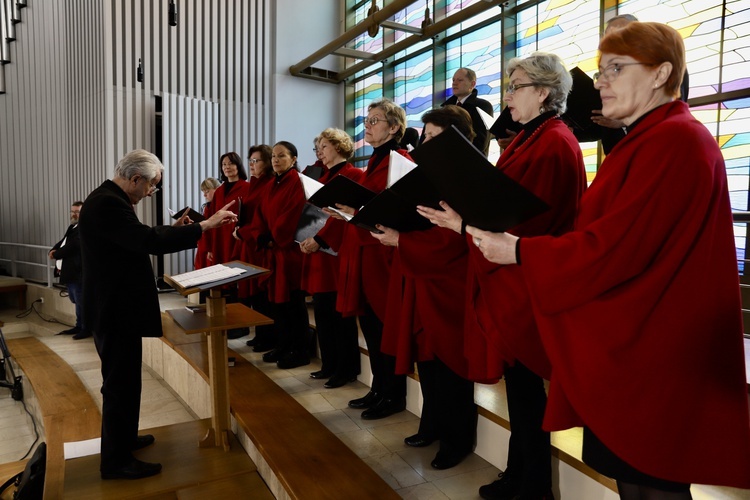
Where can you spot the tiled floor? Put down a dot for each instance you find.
(379, 443)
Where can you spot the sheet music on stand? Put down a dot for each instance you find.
(207, 275)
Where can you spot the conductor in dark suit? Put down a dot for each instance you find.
(121, 303)
(465, 96)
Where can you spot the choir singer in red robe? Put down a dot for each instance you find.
(501, 337)
(337, 335)
(273, 227)
(254, 293)
(364, 267)
(639, 307)
(424, 320)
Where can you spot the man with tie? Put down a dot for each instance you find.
(465, 96)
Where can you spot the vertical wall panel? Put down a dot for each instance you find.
(73, 107)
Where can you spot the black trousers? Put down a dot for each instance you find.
(337, 336)
(292, 325)
(120, 353)
(260, 303)
(448, 411)
(529, 447)
(385, 382)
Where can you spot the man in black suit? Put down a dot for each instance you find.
(67, 252)
(465, 95)
(121, 303)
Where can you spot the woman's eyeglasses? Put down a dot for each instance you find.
(612, 71)
(515, 86)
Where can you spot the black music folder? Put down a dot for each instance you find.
(484, 196)
(582, 100)
(194, 216)
(396, 206)
(342, 190)
(504, 122)
(311, 221)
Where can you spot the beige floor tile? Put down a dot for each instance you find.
(363, 443)
(312, 402)
(394, 470)
(392, 435)
(466, 485)
(424, 491)
(337, 421)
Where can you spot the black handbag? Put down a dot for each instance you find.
(30, 482)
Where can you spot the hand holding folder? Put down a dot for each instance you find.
(483, 195)
(192, 214)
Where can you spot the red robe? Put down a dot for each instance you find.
(364, 263)
(278, 215)
(425, 314)
(246, 249)
(201, 252)
(499, 321)
(639, 308)
(320, 270)
(220, 241)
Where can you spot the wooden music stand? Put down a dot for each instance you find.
(218, 318)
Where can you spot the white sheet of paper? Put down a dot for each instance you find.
(310, 186)
(78, 449)
(398, 167)
(486, 118)
(171, 212)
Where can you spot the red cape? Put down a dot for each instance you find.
(364, 264)
(220, 241)
(500, 319)
(246, 249)
(639, 308)
(320, 270)
(278, 214)
(425, 313)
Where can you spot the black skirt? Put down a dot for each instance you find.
(601, 458)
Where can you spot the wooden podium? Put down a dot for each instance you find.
(215, 321)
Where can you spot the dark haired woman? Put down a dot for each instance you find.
(425, 321)
(254, 292)
(273, 227)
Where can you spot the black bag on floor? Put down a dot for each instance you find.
(30, 482)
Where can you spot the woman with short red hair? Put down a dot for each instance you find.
(638, 307)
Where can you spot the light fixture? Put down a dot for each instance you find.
(2, 79)
(139, 71)
(21, 4)
(172, 13)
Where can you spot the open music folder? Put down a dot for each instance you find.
(194, 216)
(311, 221)
(484, 196)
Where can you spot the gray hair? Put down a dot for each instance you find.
(139, 162)
(546, 70)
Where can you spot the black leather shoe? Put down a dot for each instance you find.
(368, 401)
(293, 359)
(133, 470)
(338, 381)
(252, 342)
(264, 346)
(70, 331)
(505, 488)
(384, 408)
(321, 374)
(272, 356)
(82, 334)
(418, 441)
(143, 441)
(444, 461)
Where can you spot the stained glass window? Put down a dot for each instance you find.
(413, 88)
(717, 44)
(366, 91)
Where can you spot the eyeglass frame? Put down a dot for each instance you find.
(615, 69)
(254, 160)
(369, 121)
(511, 88)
